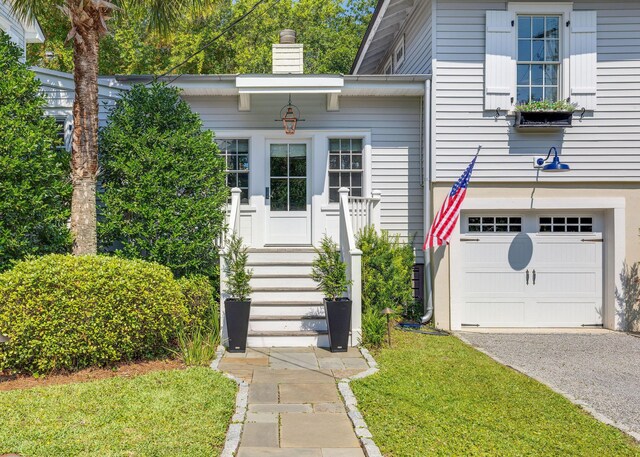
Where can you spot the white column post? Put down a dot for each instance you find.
(375, 218)
(356, 296)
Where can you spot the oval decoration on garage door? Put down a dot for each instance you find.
(532, 270)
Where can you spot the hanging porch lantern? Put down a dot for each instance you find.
(289, 117)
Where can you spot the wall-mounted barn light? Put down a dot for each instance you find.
(555, 165)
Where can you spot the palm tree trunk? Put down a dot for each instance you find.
(84, 155)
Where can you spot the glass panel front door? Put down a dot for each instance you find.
(288, 177)
(288, 201)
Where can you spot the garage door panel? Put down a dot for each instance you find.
(562, 313)
(567, 283)
(492, 254)
(501, 313)
(567, 253)
(494, 283)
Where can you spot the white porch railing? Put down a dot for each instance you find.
(233, 226)
(356, 213)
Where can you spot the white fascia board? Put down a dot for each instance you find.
(33, 33)
(268, 84)
(371, 36)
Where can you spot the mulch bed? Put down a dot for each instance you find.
(10, 381)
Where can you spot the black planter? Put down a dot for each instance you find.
(237, 317)
(543, 119)
(338, 315)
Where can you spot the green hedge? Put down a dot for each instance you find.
(200, 298)
(66, 313)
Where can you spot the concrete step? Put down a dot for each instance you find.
(281, 280)
(286, 294)
(273, 255)
(287, 323)
(280, 268)
(288, 339)
(294, 308)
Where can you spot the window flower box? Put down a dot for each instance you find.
(543, 119)
(544, 114)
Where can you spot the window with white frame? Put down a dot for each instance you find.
(236, 154)
(538, 58)
(494, 224)
(388, 67)
(399, 53)
(345, 167)
(540, 50)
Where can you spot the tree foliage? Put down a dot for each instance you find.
(163, 184)
(331, 31)
(34, 177)
(329, 270)
(236, 256)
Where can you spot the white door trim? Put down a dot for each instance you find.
(614, 246)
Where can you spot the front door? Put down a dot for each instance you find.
(288, 201)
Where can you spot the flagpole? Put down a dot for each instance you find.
(428, 274)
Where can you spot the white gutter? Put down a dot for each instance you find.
(428, 278)
(371, 35)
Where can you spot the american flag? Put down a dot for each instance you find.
(447, 218)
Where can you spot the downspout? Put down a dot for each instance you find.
(428, 284)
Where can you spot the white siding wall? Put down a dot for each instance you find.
(417, 42)
(394, 123)
(10, 24)
(604, 146)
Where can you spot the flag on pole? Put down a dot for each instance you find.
(447, 218)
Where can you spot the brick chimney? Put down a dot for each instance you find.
(287, 55)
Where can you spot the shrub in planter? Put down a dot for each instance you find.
(330, 272)
(238, 306)
(67, 313)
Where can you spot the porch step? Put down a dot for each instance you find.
(280, 268)
(293, 323)
(288, 339)
(276, 255)
(287, 294)
(311, 309)
(275, 280)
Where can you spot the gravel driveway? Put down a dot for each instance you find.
(598, 370)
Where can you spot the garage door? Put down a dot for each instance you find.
(532, 270)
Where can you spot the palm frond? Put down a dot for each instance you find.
(164, 14)
(30, 10)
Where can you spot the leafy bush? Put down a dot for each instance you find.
(329, 271)
(35, 188)
(200, 299)
(197, 342)
(164, 183)
(387, 269)
(374, 328)
(67, 313)
(236, 256)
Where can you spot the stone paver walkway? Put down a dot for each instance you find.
(294, 408)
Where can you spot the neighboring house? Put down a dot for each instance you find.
(21, 32)
(533, 249)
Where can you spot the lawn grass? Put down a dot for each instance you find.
(164, 413)
(438, 396)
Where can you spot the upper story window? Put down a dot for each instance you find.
(388, 67)
(540, 50)
(236, 154)
(399, 53)
(538, 58)
(345, 167)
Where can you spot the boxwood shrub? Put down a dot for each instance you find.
(67, 313)
(200, 298)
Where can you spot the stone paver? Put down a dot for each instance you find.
(308, 393)
(317, 430)
(263, 434)
(294, 407)
(263, 393)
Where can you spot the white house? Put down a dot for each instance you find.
(21, 32)
(533, 249)
(434, 83)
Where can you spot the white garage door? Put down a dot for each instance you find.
(532, 270)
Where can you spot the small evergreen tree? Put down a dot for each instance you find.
(236, 256)
(329, 271)
(164, 190)
(35, 188)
